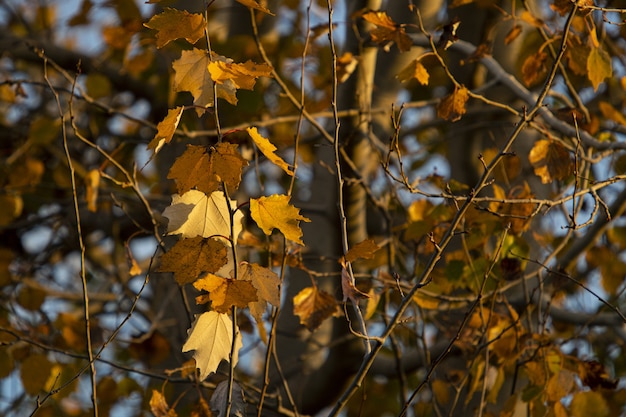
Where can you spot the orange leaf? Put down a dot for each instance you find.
(452, 107)
(255, 5)
(598, 66)
(513, 34)
(414, 71)
(550, 160)
(275, 212)
(364, 250)
(242, 75)
(534, 68)
(269, 150)
(225, 293)
(166, 129)
(159, 406)
(387, 30)
(188, 259)
(174, 24)
(314, 306)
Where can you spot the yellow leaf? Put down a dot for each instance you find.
(242, 75)
(191, 75)
(269, 150)
(550, 160)
(598, 66)
(414, 71)
(314, 306)
(452, 107)
(190, 258)
(560, 385)
(588, 403)
(267, 284)
(363, 250)
(211, 336)
(612, 113)
(92, 183)
(159, 406)
(275, 212)
(174, 24)
(513, 34)
(346, 64)
(166, 129)
(425, 301)
(387, 30)
(224, 293)
(255, 5)
(34, 372)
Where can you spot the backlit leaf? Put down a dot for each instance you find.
(253, 4)
(159, 406)
(242, 75)
(387, 30)
(267, 284)
(598, 67)
(269, 150)
(211, 336)
(363, 250)
(452, 107)
(550, 160)
(275, 212)
(414, 71)
(191, 75)
(190, 258)
(197, 214)
(225, 293)
(314, 306)
(166, 129)
(174, 24)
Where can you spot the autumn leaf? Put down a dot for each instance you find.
(387, 30)
(159, 406)
(190, 258)
(196, 214)
(588, 403)
(211, 336)
(256, 6)
(534, 68)
(349, 290)
(513, 34)
(518, 215)
(611, 113)
(452, 107)
(314, 306)
(550, 160)
(275, 212)
(174, 24)
(241, 75)
(92, 185)
(191, 75)
(365, 250)
(166, 129)
(205, 169)
(414, 71)
(267, 284)
(269, 150)
(598, 66)
(225, 293)
(346, 64)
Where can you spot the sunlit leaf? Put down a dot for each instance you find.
(611, 113)
(269, 150)
(166, 129)
(275, 212)
(452, 107)
(211, 336)
(174, 24)
(190, 258)
(550, 160)
(364, 250)
(267, 284)
(414, 71)
(241, 75)
(588, 403)
(598, 67)
(225, 293)
(253, 4)
(387, 30)
(159, 406)
(313, 307)
(534, 69)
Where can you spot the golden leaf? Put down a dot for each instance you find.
(387, 30)
(550, 160)
(190, 258)
(275, 212)
(174, 24)
(414, 71)
(314, 306)
(92, 185)
(191, 74)
(224, 293)
(612, 113)
(588, 403)
(363, 250)
(242, 75)
(452, 107)
(159, 406)
(269, 150)
(598, 66)
(166, 129)
(255, 5)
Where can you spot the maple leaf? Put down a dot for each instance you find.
(188, 259)
(314, 306)
(197, 214)
(363, 250)
(550, 160)
(267, 284)
(191, 75)
(225, 293)
(255, 5)
(241, 75)
(452, 107)
(166, 129)
(387, 30)
(275, 212)
(414, 71)
(174, 24)
(197, 168)
(211, 336)
(269, 150)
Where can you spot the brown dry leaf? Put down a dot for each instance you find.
(363, 250)
(92, 185)
(350, 291)
(534, 68)
(414, 71)
(174, 24)
(191, 258)
(387, 30)
(598, 66)
(550, 160)
(275, 212)
(594, 375)
(256, 6)
(314, 306)
(611, 113)
(166, 129)
(269, 150)
(225, 293)
(159, 406)
(452, 107)
(513, 34)
(197, 168)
